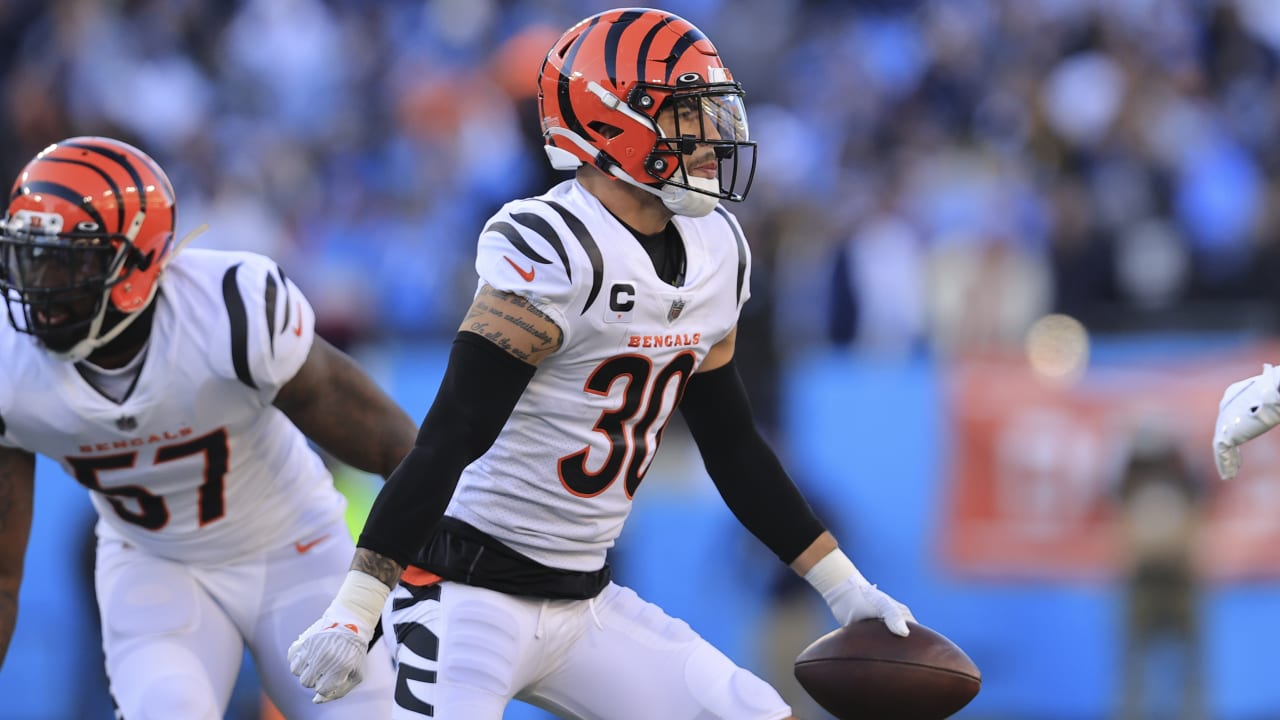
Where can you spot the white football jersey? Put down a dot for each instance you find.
(195, 464)
(557, 484)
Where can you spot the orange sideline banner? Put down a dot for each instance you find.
(1031, 476)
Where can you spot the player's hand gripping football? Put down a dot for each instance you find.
(856, 599)
(851, 598)
(1248, 409)
(329, 656)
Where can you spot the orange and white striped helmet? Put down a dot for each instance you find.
(604, 83)
(88, 228)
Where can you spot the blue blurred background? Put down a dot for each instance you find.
(1008, 254)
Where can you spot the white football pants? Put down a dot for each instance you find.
(174, 633)
(465, 652)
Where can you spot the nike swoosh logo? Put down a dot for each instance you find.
(297, 330)
(528, 276)
(302, 548)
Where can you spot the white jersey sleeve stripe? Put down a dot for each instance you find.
(506, 230)
(239, 326)
(539, 224)
(588, 245)
(742, 248)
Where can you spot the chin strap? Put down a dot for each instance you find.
(691, 202)
(185, 241)
(93, 341)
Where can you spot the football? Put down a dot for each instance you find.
(864, 671)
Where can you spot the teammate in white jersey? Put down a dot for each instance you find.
(602, 306)
(177, 388)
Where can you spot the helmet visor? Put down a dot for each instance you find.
(723, 117)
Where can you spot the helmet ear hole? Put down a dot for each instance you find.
(604, 129)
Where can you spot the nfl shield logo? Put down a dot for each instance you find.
(127, 423)
(677, 307)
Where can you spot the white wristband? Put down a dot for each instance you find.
(831, 571)
(364, 595)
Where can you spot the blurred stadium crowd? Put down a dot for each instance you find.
(933, 173)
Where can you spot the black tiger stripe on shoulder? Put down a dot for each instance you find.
(513, 236)
(589, 246)
(3, 427)
(284, 280)
(239, 326)
(539, 224)
(269, 303)
(742, 248)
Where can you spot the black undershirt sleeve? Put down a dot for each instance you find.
(742, 465)
(482, 384)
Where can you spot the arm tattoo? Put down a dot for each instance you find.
(479, 308)
(512, 323)
(379, 566)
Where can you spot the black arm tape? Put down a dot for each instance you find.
(482, 384)
(742, 465)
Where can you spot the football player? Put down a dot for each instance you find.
(180, 390)
(602, 306)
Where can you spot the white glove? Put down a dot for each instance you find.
(1248, 409)
(851, 598)
(330, 655)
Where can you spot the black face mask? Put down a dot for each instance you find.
(55, 286)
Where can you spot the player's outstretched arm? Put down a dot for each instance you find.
(1249, 408)
(492, 361)
(336, 404)
(17, 479)
(762, 496)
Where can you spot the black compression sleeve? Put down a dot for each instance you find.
(742, 465)
(481, 385)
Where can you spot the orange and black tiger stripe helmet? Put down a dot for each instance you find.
(87, 218)
(604, 82)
